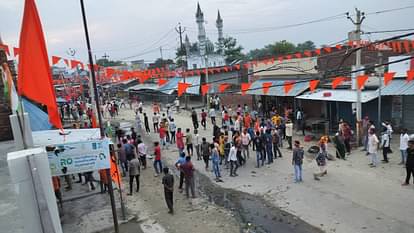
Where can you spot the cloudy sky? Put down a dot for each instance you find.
(135, 29)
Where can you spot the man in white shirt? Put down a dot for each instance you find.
(212, 113)
(245, 139)
(289, 133)
(388, 126)
(403, 145)
(177, 104)
(373, 148)
(233, 161)
(142, 152)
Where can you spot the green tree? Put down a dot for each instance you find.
(232, 51)
(307, 45)
(161, 63)
(280, 48)
(105, 62)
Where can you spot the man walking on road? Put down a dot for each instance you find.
(203, 119)
(404, 138)
(233, 161)
(289, 133)
(180, 162)
(188, 169)
(194, 118)
(168, 182)
(134, 172)
(409, 165)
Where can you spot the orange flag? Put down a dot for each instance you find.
(337, 81)
(55, 60)
(182, 87)
(313, 84)
(115, 171)
(15, 51)
(74, 63)
(298, 55)
(266, 87)
(237, 66)
(245, 87)
(66, 62)
(35, 79)
(94, 123)
(361, 79)
(223, 87)
(5, 48)
(288, 86)
(328, 49)
(338, 46)
(407, 46)
(162, 81)
(204, 89)
(318, 51)
(410, 75)
(308, 53)
(388, 77)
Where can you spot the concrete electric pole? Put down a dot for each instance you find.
(180, 31)
(356, 36)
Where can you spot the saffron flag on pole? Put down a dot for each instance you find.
(35, 79)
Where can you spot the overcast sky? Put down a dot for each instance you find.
(125, 28)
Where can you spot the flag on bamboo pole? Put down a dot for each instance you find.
(35, 79)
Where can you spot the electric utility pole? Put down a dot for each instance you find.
(162, 58)
(95, 92)
(180, 31)
(359, 18)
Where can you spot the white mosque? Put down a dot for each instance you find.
(198, 59)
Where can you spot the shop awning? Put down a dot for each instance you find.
(39, 120)
(140, 87)
(172, 85)
(398, 87)
(277, 88)
(338, 95)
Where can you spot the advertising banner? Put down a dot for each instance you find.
(78, 157)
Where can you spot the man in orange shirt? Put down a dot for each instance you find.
(247, 120)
